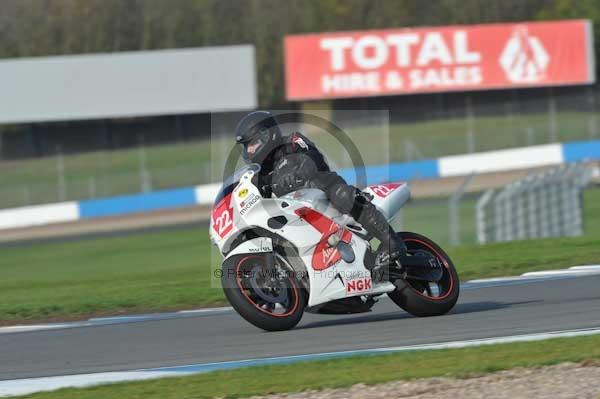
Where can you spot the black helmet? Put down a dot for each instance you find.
(259, 134)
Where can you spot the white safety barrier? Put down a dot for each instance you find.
(503, 160)
(39, 215)
(456, 165)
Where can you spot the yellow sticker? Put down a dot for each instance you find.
(243, 192)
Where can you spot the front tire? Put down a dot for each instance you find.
(421, 298)
(272, 300)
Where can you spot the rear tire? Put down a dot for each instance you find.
(272, 306)
(420, 298)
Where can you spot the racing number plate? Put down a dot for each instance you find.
(222, 217)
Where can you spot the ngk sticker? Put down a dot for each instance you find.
(358, 285)
(524, 58)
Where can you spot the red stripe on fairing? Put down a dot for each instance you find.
(324, 256)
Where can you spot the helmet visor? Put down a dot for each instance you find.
(254, 146)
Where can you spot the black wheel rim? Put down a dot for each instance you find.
(430, 289)
(270, 291)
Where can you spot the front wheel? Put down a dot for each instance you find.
(271, 299)
(424, 298)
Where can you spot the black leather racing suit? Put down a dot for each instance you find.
(298, 163)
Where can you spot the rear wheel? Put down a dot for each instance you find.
(271, 299)
(428, 298)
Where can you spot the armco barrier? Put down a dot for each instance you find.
(456, 165)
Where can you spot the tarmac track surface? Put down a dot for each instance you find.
(483, 312)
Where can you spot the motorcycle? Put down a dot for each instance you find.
(295, 253)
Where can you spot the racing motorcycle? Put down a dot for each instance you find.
(295, 253)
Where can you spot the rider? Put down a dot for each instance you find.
(292, 162)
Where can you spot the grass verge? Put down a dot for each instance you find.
(172, 269)
(162, 271)
(346, 372)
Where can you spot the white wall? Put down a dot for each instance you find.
(495, 161)
(127, 84)
(39, 215)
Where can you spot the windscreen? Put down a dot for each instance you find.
(232, 181)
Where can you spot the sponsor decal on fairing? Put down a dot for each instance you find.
(248, 204)
(358, 285)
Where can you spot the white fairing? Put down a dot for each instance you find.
(389, 197)
(253, 246)
(330, 277)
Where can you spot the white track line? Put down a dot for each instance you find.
(496, 280)
(588, 267)
(32, 385)
(39, 327)
(568, 272)
(575, 271)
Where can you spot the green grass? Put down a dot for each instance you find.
(172, 270)
(125, 274)
(100, 174)
(346, 372)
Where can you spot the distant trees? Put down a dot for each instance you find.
(50, 27)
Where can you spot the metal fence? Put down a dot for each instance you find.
(546, 204)
(474, 123)
(434, 126)
(446, 220)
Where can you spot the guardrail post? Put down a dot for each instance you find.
(61, 185)
(470, 121)
(592, 124)
(454, 210)
(145, 178)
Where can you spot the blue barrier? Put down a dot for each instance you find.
(424, 169)
(175, 198)
(581, 151)
(144, 202)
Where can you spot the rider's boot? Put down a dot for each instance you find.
(391, 249)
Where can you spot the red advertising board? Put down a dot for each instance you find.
(424, 60)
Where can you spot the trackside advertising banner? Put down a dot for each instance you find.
(453, 58)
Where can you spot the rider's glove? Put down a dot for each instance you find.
(289, 180)
(362, 198)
